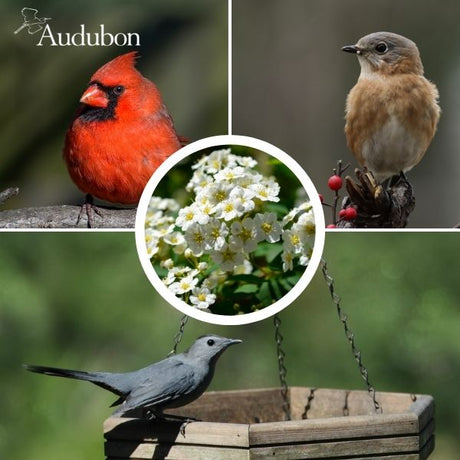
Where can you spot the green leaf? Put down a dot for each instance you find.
(277, 294)
(285, 284)
(247, 279)
(268, 250)
(293, 279)
(247, 289)
(279, 209)
(264, 294)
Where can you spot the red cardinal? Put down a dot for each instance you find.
(120, 135)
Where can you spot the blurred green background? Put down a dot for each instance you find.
(290, 81)
(183, 50)
(82, 301)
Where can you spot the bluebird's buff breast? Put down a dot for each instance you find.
(390, 121)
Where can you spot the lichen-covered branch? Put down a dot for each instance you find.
(65, 217)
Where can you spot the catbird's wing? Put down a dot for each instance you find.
(171, 383)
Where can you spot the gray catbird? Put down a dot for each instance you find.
(172, 382)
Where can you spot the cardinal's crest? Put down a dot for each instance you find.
(33, 23)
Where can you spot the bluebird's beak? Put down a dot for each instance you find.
(351, 49)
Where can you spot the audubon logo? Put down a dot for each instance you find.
(34, 24)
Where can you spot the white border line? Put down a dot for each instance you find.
(230, 61)
(306, 277)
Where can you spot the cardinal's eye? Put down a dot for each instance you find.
(381, 47)
(117, 90)
(211, 342)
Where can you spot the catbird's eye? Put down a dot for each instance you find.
(381, 47)
(117, 90)
(211, 342)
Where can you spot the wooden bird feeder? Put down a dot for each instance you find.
(249, 424)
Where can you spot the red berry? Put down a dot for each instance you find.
(321, 197)
(350, 213)
(331, 226)
(342, 213)
(335, 182)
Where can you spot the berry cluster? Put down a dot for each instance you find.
(335, 183)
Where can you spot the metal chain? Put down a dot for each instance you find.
(282, 368)
(310, 398)
(179, 335)
(350, 336)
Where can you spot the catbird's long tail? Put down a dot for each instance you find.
(80, 375)
(102, 379)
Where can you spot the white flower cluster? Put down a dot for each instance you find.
(203, 244)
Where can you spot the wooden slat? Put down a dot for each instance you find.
(238, 406)
(133, 450)
(427, 433)
(205, 433)
(330, 403)
(332, 428)
(427, 449)
(423, 408)
(341, 449)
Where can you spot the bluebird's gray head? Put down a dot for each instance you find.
(386, 53)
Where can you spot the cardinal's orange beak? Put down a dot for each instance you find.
(95, 97)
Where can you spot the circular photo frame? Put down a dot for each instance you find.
(230, 230)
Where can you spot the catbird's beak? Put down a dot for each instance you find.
(351, 49)
(234, 341)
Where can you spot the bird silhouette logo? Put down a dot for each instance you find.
(31, 21)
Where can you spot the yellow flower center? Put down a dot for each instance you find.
(245, 234)
(310, 228)
(198, 237)
(228, 207)
(220, 196)
(266, 227)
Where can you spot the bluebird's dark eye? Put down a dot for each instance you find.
(381, 48)
(211, 342)
(117, 90)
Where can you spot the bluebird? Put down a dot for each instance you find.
(392, 111)
(172, 382)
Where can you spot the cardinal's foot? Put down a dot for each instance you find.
(88, 208)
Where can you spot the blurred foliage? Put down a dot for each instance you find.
(82, 301)
(183, 50)
(290, 80)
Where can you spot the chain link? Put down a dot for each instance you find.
(282, 368)
(179, 335)
(310, 398)
(350, 336)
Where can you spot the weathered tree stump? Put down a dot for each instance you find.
(378, 205)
